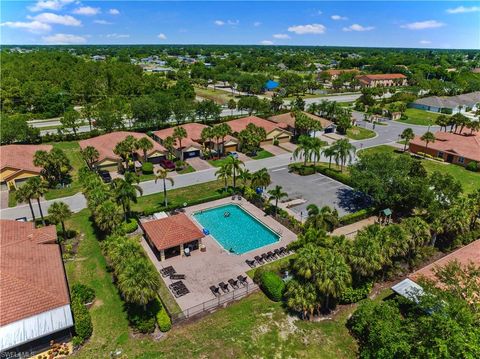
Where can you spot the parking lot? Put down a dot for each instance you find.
(317, 189)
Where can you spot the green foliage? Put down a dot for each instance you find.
(83, 293)
(147, 168)
(130, 226)
(82, 319)
(163, 320)
(357, 216)
(14, 128)
(473, 166)
(272, 285)
(142, 319)
(354, 295)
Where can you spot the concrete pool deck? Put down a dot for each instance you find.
(203, 269)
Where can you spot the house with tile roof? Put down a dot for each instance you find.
(458, 148)
(169, 236)
(449, 104)
(34, 296)
(334, 73)
(16, 164)
(275, 131)
(382, 80)
(287, 120)
(105, 145)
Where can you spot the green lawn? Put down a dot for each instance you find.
(219, 96)
(187, 169)
(262, 154)
(419, 117)
(218, 163)
(72, 150)
(470, 180)
(360, 133)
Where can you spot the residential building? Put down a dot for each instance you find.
(334, 73)
(105, 145)
(168, 237)
(449, 104)
(192, 145)
(275, 131)
(34, 296)
(382, 80)
(287, 120)
(16, 164)
(458, 148)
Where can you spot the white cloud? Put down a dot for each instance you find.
(425, 42)
(219, 22)
(64, 39)
(51, 18)
(338, 17)
(49, 5)
(257, 23)
(35, 27)
(281, 36)
(308, 29)
(266, 42)
(114, 12)
(422, 25)
(162, 36)
(227, 22)
(357, 27)
(87, 10)
(233, 22)
(102, 22)
(117, 36)
(463, 9)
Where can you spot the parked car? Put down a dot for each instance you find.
(105, 175)
(167, 164)
(232, 154)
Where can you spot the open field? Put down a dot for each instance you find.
(219, 96)
(360, 133)
(420, 117)
(470, 180)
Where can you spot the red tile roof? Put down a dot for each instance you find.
(380, 77)
(106, 143)
(288, 119)
(171, 231)
(333, 72)
(20, 157)
(32, 277)
(464, 144)
(464, 255)
(241, 123)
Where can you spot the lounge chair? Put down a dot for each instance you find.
(283, 250)
(239, 197)
(224, 287)
(251, 263)
(167, 271)
(233, 283)
(242, 279)
(181, 292)
(259, 259)
(271, 255)
(177, 276)
(265, 257)
(176, 284)
(277, 252)
(215, 290)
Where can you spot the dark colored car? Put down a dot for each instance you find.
(105, 175)
(167, 164)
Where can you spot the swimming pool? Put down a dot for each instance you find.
(238, 232)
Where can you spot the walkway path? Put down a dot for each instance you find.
(351, 230)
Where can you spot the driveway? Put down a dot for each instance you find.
(198, 164)
(274, 150)
(319, 190)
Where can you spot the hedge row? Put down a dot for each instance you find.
(130, 226)
(163, 320)
(303, 170)
(271, 284)
(354, 295)
(357, 216)
(81, 315)
(84, 293)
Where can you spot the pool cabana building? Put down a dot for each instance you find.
(168, 237)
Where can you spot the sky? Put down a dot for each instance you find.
(418, 24)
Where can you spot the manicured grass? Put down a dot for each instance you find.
(218, 163)
(187, 169)
(360, 133)
(72, 150)
(219, 96)
(262, 154)
(420, 117)
(273, 266)
(470, 180)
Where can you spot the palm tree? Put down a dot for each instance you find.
(306, 263)
(24, 194)
(316, 146)
(261, 178)
(301, 297)
(121, 150)
(244, 176)
(235, 166)
(138, 282)
(223, 130)
(224, 173)
(90, 155)
(162, 174)
(473, 126)
(125, 191)
(206, 137)
(330, 153)
(344, 151)
(366, 257)
(39, 187)
(145, 145)
(169, 144)
(428, 137)
(304, 147)
(277, 194)
(178, 134)
(108, 216)
(442, 121)
(407, 135)
(324, 218)
(59, 212)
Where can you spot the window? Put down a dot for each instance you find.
(461, 160)
(440, 154)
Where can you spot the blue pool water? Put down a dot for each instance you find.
(239, 232)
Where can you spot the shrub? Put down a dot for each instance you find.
(163, 320)
(306, 171)
(357, 216)
(130, 226)
(336, 175)
(147, 168)
(276, 142)
(354, 295)
(83, 293)
(472, 166)
(140, 319)
(83, 321)
(272, 285)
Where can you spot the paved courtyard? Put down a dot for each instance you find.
(317, 189)
(203, 269)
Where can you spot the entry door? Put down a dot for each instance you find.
(449, 158)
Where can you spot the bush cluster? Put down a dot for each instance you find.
(272, 285)
(82, 319)
(84, 293)
(357, 216)
(140, 319)
(472, 166)
(130, 226)
(354, 295)
(163, 320)
(147, 168)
